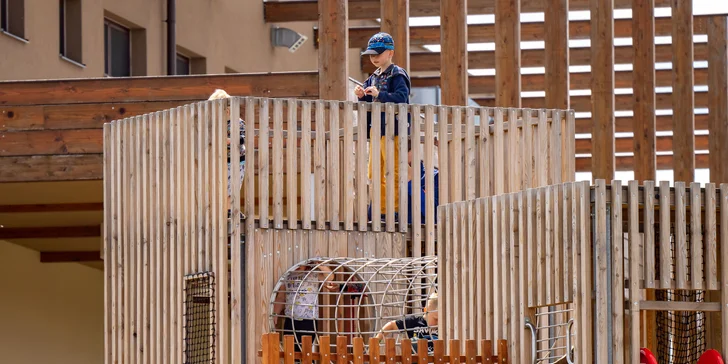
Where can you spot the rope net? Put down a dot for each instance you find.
(680, 334)
(199, 318)
(356, 297)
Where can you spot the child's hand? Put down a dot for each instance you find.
(371, 90)
(359, 91)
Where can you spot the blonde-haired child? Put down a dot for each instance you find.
(417, 327)
(218, 95)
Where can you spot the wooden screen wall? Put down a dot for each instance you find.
(504, 256)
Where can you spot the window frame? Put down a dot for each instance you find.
(76, 59)
(108, 56)
(5, 20)
(185, 58)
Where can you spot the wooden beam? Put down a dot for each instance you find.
(683, 86)
(625, 144)
(644, 89)
(333, 65)
(305, 10)
(50, 232)
(577, 81)
(580, 56)
(483, 33)
(455, 61)
(51, 168)
(507, 53)
(160, 88)
(664, 162)
(70, 256)
(556, 54)
(60, 207)
(602, 90)
(46, 142)
(395, 21)
(718, 98)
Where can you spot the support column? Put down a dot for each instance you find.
(643, 80)
(602, 66)
(395, 21)
(334, 40)
(683, 93)
(454, 55)
(508, 53)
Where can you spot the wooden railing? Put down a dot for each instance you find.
(475, 352)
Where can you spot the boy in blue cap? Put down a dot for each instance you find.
(388, 84)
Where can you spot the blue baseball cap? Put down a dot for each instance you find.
(379, 43)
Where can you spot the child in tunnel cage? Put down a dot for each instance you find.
(417, 327)
(221, 94)
(298, 299)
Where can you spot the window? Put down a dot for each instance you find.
(70, 30)
(12, 17)
(183, 65)
(117, 50)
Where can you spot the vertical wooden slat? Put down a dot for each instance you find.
(169, 178)
(416, 182)
(465, 245)
(375, 163)
(523, 344)
(617, 274)
(291, 169)
(486, 351)
(456, 170)
(508, 53)
(236, 293)
(429, 180)
(634, 271)
(557, 242)
(470, 169)
(288, 348)
(135, 248)
(147, 258)
(527, 155)
(718, 97)
(373, 351)
(319, 166)
(555, 147)
(513, 152)
(403, 165)
(454, 38)
(724, 267)
(540, 262)
(602, 88)
(587, 332)
(457, 277)
(568, 147)
(548, 240)
(503, 352)
(442, 150)
(263, 160)
(600, 250)
(200, 171)
(542, 149)
(447, 307)
(358, 350)
(484, 157)
(439, 351)
(515, 321)
(681, 243)
(107, 245)
(390, 351)
(665, 248)
(487, 267)
(307, 350)
(567, 241)
(498, 155)
(278, 164)
(349, 167)
(696, 238)
(532, 242)
(334, 173)
(389, 175)
(683, 95)
(220, 228)
(471, 352)
(115, 205)
(479, 267)
(454, 351)
(442, 272)
(498, 308)
(711, 247)
(306, 201)
(649, 234)
(361, 177)
(643, 80)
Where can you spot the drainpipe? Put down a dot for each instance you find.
(171, 38)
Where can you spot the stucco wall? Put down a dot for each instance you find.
(49, 313)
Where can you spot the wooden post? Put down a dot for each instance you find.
(717, 139)
(683, 94)
(718, 98)
(395, 21)
(602, 65)
(454, 35)
(556, 20)
(333, 48)
(508, 53)
(643, 39)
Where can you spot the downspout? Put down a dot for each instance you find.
(171, 38)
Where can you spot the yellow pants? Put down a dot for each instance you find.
(383, 171)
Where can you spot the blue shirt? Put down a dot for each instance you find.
(394, 87)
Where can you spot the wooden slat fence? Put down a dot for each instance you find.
(475, 351)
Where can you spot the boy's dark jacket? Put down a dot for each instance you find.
(394, 86)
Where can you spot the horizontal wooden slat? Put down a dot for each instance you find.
(163, 88)
(626, 145)
(624, 124)
(70, 256)
(680, 306)
(621, 102)
(60, 207)
(50, 232)
(577, 81)
(51, 168)
(42, 142)
(581, 56)
(532, 31)
(307, 10)
(583, 164)
(74, 116)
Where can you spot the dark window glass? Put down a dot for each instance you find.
(183, 65)
(117, 50)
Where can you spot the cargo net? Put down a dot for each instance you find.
(199, 318)
(680, 334)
